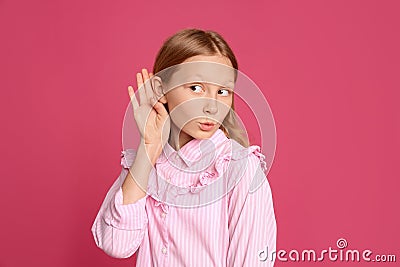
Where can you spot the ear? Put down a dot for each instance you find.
(158, 89)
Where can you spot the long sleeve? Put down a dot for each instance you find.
(252, 224)
(119, 229)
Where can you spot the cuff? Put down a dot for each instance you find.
(128, 217)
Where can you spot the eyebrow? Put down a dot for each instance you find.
(228, 83)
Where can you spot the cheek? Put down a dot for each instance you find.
(182, 113)
(175, 98)
(223, 109)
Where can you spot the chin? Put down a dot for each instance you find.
(203, 135)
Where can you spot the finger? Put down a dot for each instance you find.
(131, 92)
(145, 74)
(139, 79)
(151, 84)
(141, 89)
(159, 107)
(147, 85)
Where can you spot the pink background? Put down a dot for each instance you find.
(329, 70)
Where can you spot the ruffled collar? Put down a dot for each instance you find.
(193, 151)
(210, 161)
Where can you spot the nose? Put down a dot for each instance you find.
(211, 106)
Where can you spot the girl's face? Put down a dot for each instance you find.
(197, 109)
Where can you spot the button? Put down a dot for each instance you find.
(176, 156)
(164, 250)
(163, 214)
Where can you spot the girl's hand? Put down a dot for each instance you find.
(150, 115)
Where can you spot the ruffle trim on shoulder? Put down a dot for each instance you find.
(245, 152)
(256, 150)
(127, 157)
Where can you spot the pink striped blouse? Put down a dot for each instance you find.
(207, 204)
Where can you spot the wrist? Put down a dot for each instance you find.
(152, 151)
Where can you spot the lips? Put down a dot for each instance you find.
(206, 126)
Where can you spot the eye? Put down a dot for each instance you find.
(196, 88)
(224, 92)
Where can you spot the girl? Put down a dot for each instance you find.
(184, 196)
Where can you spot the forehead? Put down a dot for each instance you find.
(215, 58)
(202, 71)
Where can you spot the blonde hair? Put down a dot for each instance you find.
(191, 42)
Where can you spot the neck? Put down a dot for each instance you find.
(177, 138)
